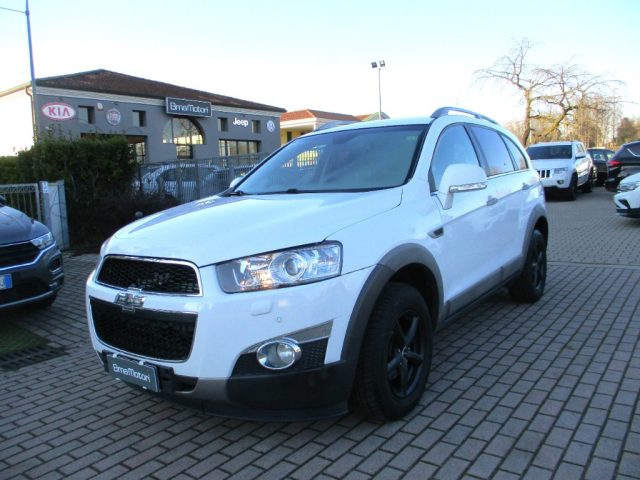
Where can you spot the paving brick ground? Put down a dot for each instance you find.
(517, 391)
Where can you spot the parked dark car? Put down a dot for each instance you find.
(625, 162)
(600, 157)
(31, 271)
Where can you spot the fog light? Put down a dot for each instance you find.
(279, 354)
(560, 182)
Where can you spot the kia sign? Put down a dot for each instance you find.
(58, 111)
(190, 108)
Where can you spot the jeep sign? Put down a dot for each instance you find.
(58, 111)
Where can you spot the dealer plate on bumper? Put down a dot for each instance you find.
(145, 376)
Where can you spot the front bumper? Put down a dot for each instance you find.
(33, 282)
(628, 203)
(315, 393)
(217, 370)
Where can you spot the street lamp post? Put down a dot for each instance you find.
(379, 65)
(33, 75)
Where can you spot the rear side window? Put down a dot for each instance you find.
(495, 151)
(516, 153)
(454, 146)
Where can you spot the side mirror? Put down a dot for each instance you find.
(459, 178)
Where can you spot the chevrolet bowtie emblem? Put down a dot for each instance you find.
(130, 300)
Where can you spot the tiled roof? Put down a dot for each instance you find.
(105, 81)
(302, 114)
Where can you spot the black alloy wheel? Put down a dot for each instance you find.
(395, 357)
(405, 355)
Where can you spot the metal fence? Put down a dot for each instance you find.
(194, 179)
(44, 201)
(24, 197)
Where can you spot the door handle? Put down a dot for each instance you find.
(437, 233)
(491, 201)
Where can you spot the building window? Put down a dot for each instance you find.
(184, 133)
(289, 136)
(223, 124)
(255, 126)
(184, 151)
(140, 152)
(139, 118)
(237, 147)
(86, 115)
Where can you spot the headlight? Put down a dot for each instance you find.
(281, 269)
(559, 171)
(627, 187)
(44, 241)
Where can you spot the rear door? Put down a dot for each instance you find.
(510, 185)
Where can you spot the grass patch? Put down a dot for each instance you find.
(14, 338)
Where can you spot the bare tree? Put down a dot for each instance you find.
(530, 80)
(552, 96)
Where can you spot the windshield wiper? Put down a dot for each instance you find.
(236, 193)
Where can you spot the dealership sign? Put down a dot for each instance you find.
(58, 111)
(190, 108)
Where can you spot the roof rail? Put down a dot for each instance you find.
(442, 111)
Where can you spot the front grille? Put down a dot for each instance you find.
(544, 173)
(313, 354)
(150, 275)
(17, 254)
(150, 333)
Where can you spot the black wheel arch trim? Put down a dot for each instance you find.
(538, 219)
(388, 267)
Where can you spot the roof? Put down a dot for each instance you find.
(106, 81)
(307, 113)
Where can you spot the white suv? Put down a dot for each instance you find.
(563, 166)
(316, 282)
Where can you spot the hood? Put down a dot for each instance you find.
(216, 229)
(16, 227)
(631, 179)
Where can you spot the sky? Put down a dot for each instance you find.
(297, 54)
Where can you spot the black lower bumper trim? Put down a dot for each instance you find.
(629, 212)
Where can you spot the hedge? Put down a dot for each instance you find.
(97, 172)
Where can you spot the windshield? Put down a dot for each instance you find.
(351, 160)
(549, 152)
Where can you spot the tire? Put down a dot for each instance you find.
(529, 286)
(570, 193)
(395, 358)
(587, 187)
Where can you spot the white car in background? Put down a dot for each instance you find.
(563, 166)
(627, 199)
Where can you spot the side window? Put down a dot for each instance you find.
(516, 153)
(580, 148)
(454, 146)
(494, 150)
